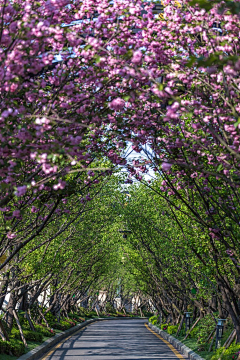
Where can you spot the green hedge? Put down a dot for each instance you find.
(44, 330)
(164, 327)
(13, 346)
(172, 329)
(28, 334)
(153, 318)
(231, 353)
(63, 325)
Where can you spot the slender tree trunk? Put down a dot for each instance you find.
(20, 328)
(180, 326)
(43, 317)
(3, 288)
(3, 333)
(28, 317)
(196, 322)
(8, 318)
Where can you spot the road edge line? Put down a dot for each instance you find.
(176, 343)
(171, 347)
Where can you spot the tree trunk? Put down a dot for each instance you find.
(3, 288)
(3, 333)
(28, 317)
(180, 326)
(8, 317)
(44, 319)
(230, 339)
(20, 328)
(211, 344)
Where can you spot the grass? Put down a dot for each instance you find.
(193, 345)
(7, 357)
(31, 345)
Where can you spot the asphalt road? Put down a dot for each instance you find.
(113, 340)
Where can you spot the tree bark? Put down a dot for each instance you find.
(20, 328)
(3, 333)
(180, 326)
(44, 319)
(9, 316)
(28, 317)
(196, 322)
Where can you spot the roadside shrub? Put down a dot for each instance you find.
(164, 327)
(63, 325)
(231, 353)
(172, 329)
(147, 314)
(51, 319)
(13, 346)
(121, 314)
(153, 318)
(59, 326)
(33, 335)
(76, 318)
(45, 331)
(82, 311)
(110, 308)
(91, 314)
(194, 333)
(205, 326)
(3, 346)
(72, 323)
(16, 348)
(28, 334)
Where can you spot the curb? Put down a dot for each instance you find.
(176, 343)
(41, 349)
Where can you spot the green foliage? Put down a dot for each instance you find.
(82, 311)
(194, 333)
(172, 329)
(153, 319)
(51, 319)
(13, 346)
(164, 327)
(230, 353)
(44, 331)
(92, 313)
(110, 308)
(28, 334)
(205, 326)
(63, 325)
(76, 318)
(147, 314)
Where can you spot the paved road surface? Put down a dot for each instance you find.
(113, 340)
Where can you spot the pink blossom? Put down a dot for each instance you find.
(166, 166)
(137, 57)
(21, 190)
(16, 213)
(11, 235)
(117, 104)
